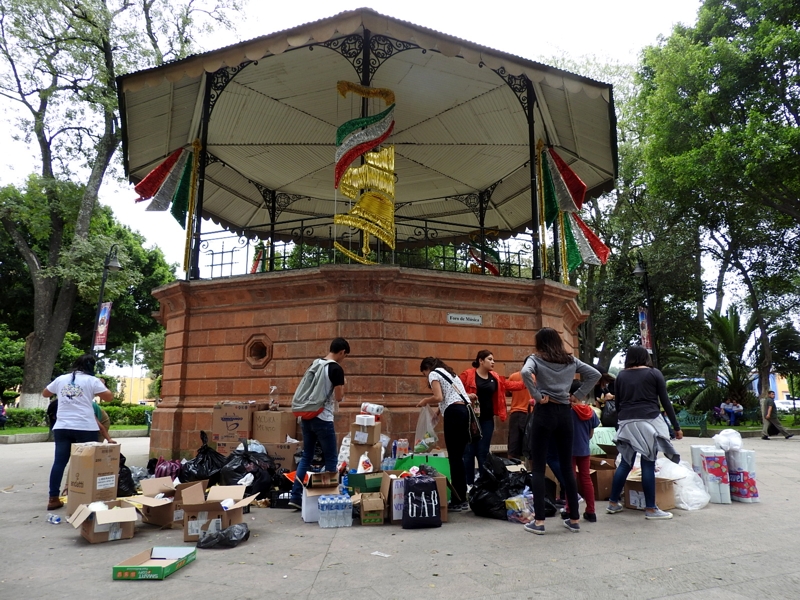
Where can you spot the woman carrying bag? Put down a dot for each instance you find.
(449, 394)
(488, 389)
(642, 429)
(554, 369)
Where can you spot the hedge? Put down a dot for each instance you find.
(130, 414)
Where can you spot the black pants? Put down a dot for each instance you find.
(516, 433)
(456, 437)
(552, 421)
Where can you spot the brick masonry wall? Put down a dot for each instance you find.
(231, 339)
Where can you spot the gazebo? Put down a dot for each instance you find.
(262, 116)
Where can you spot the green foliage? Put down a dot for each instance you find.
(127, 414)
(154, 389)
(12, 357)
(26, 417)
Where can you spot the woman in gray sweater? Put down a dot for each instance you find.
(548, 375)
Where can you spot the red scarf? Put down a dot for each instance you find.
(584, 411)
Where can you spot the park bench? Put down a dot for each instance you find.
(686, 419)
(753, 415)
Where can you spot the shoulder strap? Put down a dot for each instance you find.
(452, 383)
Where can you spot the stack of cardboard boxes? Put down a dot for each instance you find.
(234, 422)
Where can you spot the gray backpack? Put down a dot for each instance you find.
(309, 398)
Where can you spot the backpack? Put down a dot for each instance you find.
(309, 398)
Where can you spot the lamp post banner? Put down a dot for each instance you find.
(102, 326)
(644, 329)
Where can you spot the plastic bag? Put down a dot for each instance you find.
(728, 439)
(690, 493)
(426, 437)
(126, 486)
(205, 465)
(608, 414)
(421, 506)
(167, 468)
(253, 446)
(242, 462)
(227, 538)
(364, 464)
(519, 509)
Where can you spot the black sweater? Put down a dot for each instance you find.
(638, 392)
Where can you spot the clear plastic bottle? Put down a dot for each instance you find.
(342, 511)
(53, 519)
(323, 509)
(348, 512)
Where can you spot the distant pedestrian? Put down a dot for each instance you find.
(320, 427)
(642, 430)
(584, 422)
(488, 389)
(554, 369)
(769, 416)
(76, 423)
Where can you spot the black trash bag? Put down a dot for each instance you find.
(608, 414)
(487, 503)
(494, 468)
(206, 465)
(242, 462)
(421, 508)
(126, 486)
(227, 538)
(151, 466)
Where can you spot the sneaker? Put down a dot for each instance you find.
(534, 528)
(465, 506)
(298, 505)
(657, 514)
(573, 527)
(791, 435)
(591, 517)
(454, 508)
(764, 437)
(613, 508)
(560, 502)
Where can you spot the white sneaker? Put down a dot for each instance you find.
(657, 515)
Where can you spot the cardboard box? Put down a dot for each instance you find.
(163, 512)
(602, 475)
(310, 510)
(205, 513)
(117, 523)
(393, 491)
(272, 426)
(634, 494)
(157, 563)
(283, 454)
(93, 472)
(365, 434)
(610, 450)
(373, 507)
(233, 421)
(374, 451)
(321, 480)
(226, 448)
(362, 483)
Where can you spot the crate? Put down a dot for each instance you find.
(275, 500)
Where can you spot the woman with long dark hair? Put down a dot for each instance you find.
(554, 369)
(488, 389)
(450, 395)
(642, 430)
(76, 422)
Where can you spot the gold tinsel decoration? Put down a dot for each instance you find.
(385, 94)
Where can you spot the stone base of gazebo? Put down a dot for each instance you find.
(232, 339)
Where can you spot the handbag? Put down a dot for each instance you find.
(473, 426)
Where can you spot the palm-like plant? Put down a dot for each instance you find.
(715, 366)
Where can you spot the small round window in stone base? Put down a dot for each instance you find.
(258, 351)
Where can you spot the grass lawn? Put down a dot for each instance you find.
(786, 421)
(18, 430)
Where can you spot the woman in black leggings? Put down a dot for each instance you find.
(554, 370)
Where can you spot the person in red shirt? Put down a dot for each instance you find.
(521, 403)
(489, 390)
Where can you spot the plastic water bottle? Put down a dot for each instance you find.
(348, 512)
(394, 449)
(53, 519)
(323, 502)
(342, 511)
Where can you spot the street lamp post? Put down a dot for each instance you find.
(641, 271)
(111, 264)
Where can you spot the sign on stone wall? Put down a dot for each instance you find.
(462, 319)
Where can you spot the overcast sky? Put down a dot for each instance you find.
(611, 29)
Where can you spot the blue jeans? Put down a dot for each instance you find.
(313, 430)
(479, 449)
(648, 481)
(64, 439)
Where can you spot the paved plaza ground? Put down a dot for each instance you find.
(723, 551)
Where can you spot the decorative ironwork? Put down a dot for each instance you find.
(220, 80)
(471, 201)
(518, 85)
(211, 159)
(223, 258)
(282, 199)
(381, 49)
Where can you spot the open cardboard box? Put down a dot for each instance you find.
(205, 513)
(117, 523)
(92, 475)
(157, 563)
(311, 495)
(373, 507)
(164, 512)
(602, 474)
(610, 450)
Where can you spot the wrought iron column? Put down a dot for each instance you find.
(483, 203)
(536, 271)
(273, 214)
(194, 269)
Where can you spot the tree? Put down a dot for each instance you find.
(59, 64)
(12, 355)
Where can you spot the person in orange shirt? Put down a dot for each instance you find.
(521, 403)
(488, 389)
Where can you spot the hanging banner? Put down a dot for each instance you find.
(644, 329)
(102, 326)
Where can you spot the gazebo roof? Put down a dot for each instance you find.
(461, 125)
